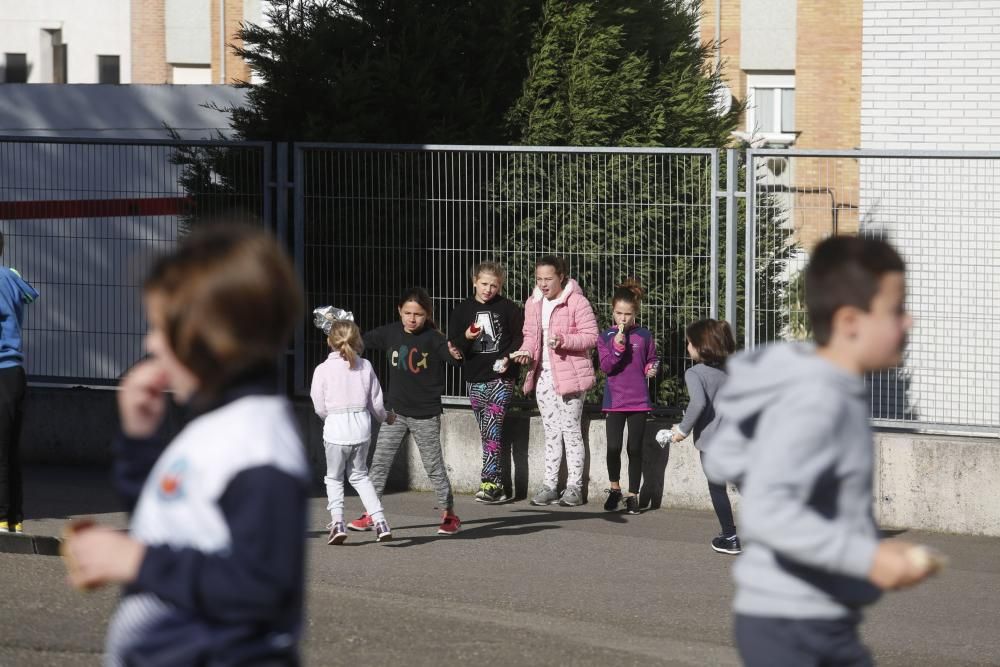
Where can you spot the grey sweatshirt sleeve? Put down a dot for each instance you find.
(792, 452)
(697, 403)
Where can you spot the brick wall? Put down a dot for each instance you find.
(149, 46)
(730, 28)
(236, 68)
(827, 116)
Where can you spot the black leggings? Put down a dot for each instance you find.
(615, 423)
(720, 501)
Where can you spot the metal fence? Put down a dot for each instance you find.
(84, 219)
(372, 220)
(941, 211)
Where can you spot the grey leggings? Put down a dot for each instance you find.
(427, 434)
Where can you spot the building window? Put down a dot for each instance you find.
(108, 69)
(191, 74)
(771, 108)
(15, 68)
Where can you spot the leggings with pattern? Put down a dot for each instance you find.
(561, 416)
(490, 401)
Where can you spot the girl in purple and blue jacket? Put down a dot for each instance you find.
(628, 358)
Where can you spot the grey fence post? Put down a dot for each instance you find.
(713, 299)
(750, 254)
(731, 219)
(297, 184)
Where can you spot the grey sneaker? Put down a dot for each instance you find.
(546, 496)
(571, 497)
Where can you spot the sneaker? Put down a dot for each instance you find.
(18, 528)
(491, 494)
(546, 496)
(571, 498)
(382, 532)
(363, 522)
(338, 532)
(450, 523)
(3, 527)
(727, 545)
(632, 504)
(613, 501)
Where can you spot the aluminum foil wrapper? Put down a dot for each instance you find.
(325, 316)
(663, 436)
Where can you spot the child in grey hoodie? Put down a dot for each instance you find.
(795, 436)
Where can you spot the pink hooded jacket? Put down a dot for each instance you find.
(573, 319)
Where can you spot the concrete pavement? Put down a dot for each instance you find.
(518, 585)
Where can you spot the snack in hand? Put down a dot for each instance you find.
(926, 558)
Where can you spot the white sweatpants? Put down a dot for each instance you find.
(349, 461)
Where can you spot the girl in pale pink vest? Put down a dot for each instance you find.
(560, 333)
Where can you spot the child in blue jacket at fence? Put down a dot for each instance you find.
(214, 557)
(15, 293)
(795, 434)
(709, 344)
(627, 354)
(416, 352)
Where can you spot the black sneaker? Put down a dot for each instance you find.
(727, 545)
(632, 504)
(613, 501)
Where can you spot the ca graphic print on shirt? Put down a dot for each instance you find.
(410, 359)
(489, 340)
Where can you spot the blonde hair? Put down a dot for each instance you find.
(494, 269)
(345, 338)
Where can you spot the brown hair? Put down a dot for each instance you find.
(419, 296)
(557, 263)
(345, 338)
(492, 268)
(630, 291)
(713, 339)
(230, 300)
(845, 271)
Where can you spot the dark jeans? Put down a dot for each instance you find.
(720, 502)
(795, 642)
(12, 385)
(615, 423)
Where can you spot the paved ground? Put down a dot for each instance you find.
(519, 585)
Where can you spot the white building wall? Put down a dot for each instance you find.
(89, 28)
(931, 81)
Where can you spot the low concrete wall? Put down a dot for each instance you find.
(922, 482)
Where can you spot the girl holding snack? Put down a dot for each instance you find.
(486, 328)
(628, 357)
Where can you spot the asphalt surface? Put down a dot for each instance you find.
(518, 585)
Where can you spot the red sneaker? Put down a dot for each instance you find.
(363, 522)
(450, 523)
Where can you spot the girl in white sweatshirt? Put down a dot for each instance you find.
(346, 395)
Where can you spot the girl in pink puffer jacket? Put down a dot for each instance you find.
(560, 332)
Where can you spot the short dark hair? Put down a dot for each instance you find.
(713, 339)
(845, 271)
(231, 300)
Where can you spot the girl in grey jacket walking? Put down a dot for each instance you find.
(709, 343)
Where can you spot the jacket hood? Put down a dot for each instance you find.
(570, 288)
(758, 377)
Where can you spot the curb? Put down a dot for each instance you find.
(32, 545)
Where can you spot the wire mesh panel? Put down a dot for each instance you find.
(373, 220)
(941, 212)
(83, 220)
